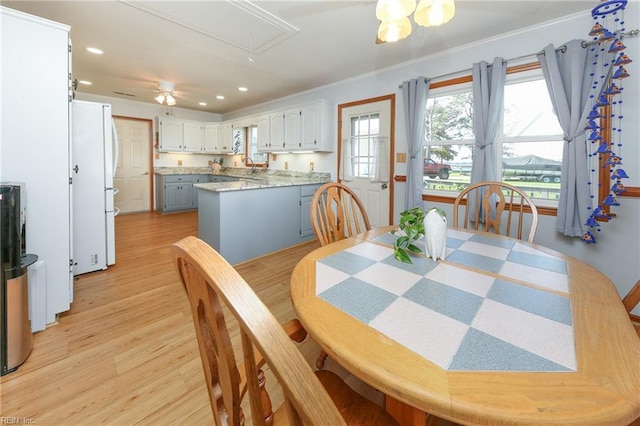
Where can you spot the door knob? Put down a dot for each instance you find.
(384, 186)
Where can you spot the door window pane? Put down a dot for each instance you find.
(365, 129)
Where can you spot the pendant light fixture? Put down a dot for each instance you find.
(431, 13)
(394, 30)
(394, 16)
(166, 97)
(389, 10)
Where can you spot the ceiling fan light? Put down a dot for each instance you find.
(166, 87)
(394, 30)
(160, 98)
(171, 101)
(431, 13)
(389, 10)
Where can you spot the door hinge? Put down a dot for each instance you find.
(70, 181)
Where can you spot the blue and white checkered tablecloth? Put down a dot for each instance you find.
(493, 305)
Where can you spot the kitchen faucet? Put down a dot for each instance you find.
(253, 165)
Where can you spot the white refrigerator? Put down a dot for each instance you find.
(94, 156)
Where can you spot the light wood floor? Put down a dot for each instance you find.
(126, 352)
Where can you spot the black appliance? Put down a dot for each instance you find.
(16, 337)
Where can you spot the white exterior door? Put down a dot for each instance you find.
(133, 174)
(369, 119)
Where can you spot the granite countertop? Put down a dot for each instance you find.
(183, 170)
(263, 178)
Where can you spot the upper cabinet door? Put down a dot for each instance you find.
(292, 129)
(264, 141)
(317, 124)
(193, 136)
(226, 137)
(171, 136)
(211, 138)
(276, 131)
(310, 127)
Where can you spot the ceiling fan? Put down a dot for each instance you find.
(166, 95)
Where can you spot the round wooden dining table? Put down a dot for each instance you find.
(501, 332)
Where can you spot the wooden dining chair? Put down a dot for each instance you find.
(631, 300)
(337, 213)
(212, 285)
(496, 205)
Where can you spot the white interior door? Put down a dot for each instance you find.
(372, 118)
(133, 175)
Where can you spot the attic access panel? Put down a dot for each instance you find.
(238, 23)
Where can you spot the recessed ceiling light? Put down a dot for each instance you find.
(242, 89)
(85, 82)
(203, 104)
(94, 50)
(220, 97)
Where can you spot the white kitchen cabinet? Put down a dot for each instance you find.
(192, 136)
(264, 141)
(276, 131)
(202, 138)
(284, 130)
(171, 134)
(292, 129)
(307, 127)
(211, 138)
(316, 125)
(226, 137)
(180, 135)
(35, 149)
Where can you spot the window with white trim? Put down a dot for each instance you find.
(530, 138)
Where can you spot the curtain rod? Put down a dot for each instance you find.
(517, 58)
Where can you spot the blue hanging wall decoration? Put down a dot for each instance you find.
(608, 53)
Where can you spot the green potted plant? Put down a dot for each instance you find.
(410, 230)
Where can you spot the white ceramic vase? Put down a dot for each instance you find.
(435, 235)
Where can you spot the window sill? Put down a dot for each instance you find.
(542, 210)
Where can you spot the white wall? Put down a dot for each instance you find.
(617, 250)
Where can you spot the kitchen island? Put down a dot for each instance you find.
(258, 214)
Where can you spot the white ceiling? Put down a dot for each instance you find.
(274, 48)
